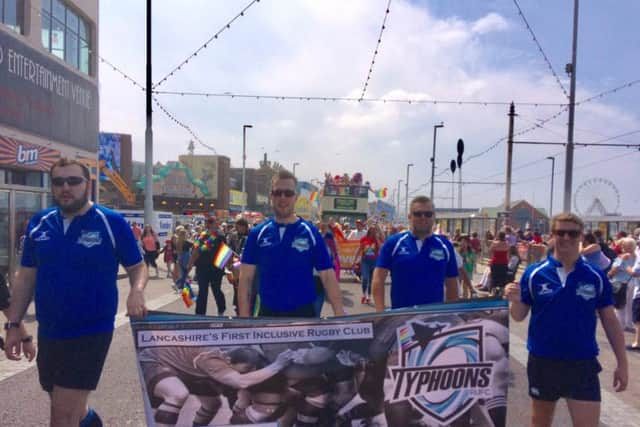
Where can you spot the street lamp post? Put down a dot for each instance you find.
(406, 192)
(244, 160)
(433, 156)
(294, 168)
(398, 210)
(553, 166)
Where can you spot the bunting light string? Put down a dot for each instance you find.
(544, 55)
(375, 51)
(205, 44)
(184, 126)
(608, 92)
(352, 99)
(122, 73)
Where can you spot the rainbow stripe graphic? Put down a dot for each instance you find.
(314, 196)
(187, 295)
(404, 336)
(382, 193)
(223, 256)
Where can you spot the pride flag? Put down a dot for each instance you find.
(223, 256)
(382, 193)
(187, 295)
(313, 197)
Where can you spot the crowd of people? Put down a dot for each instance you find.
(288, 267)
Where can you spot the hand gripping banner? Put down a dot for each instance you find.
(436, 365)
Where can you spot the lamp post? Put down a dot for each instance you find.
(294, 168)
(406, 191)
(433, 156)
(553, 166)
(244, 160)
(398, 210)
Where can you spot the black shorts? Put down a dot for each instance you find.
(551, 379)
(635, 310)
(72, 363)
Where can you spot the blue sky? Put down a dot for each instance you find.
(463, 50)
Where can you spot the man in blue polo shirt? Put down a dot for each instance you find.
(70, 262)
(284, 250)
(422, 264)
(564, 293)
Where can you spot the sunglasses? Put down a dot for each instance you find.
(59, 181)
(422, 214)
(285, 193)
(571, 233)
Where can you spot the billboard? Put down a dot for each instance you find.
(109, 152)
(444, 365)
(41, 96)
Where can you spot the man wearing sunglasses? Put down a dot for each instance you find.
(564, 294)
(422, 264)
(284, 250)
(70, 263)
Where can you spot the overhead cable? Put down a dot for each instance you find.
(375, 51)
(183, 125)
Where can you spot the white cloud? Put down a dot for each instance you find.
(490, 23)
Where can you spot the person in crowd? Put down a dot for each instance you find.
(499, 261)
(367, 256)
(510, 237)
(284, 250)
(468, 264)
(622, 281)
(592, 252)
(183, 248)
(169, 257)
(151, 247)
(205, 248)
(237, 244)
(28, 348)
(421, 263)
(564, 293)
(359, 232)
(70, 264)
(476, 244)
(513, 265)
(137, 233)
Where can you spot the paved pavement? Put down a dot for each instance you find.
(119, 402)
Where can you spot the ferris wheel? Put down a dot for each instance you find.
(596, 197)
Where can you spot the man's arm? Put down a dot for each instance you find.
(138, 277)
(22, 292)
(332, 290)
(613, 329)
(237, 380)
(247, 274)
(377, 284)
(451, 286)
(517, 308)
(195, 253)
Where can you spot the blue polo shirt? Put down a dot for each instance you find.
(77, 271)
(285, 256)
(563, 314)
(417, 275)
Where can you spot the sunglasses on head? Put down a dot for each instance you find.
(285, 193)
(422, 214)
(571, 233)
(59, 181)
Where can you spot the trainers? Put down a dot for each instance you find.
(363, 300)
(367, 300)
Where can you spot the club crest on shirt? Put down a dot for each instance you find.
(301, 244)
(89, 239)
(544, 289)
(403, 251)
(265, 242)
(437, 254)
(43, 236)
(586, 290)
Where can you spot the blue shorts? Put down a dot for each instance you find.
(72, 363)
(551, 379)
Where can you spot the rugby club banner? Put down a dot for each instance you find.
(347, 252)
(436, 365)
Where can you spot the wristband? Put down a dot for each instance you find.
(27, 339)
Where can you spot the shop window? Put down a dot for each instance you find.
(12, 14)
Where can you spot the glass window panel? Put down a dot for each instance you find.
(57, 39)
(83, 29)
(46, 31)
(72, 21)
(71, 49)
(4, 229)
(1, 10)
(58, 10)
(27, 205)
(85, 57)
(46, 6)
(13, 14)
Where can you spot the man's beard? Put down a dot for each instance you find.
(74, 206)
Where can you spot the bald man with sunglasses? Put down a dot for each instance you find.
(423, 265)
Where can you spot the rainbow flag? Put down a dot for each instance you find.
(187, 295)
(223, 256)
(314, 196)
(382, 193)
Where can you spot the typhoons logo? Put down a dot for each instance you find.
(441, 370)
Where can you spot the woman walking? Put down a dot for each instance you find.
(150, 246)
(368, 254)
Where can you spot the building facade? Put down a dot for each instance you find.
(49, 105)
